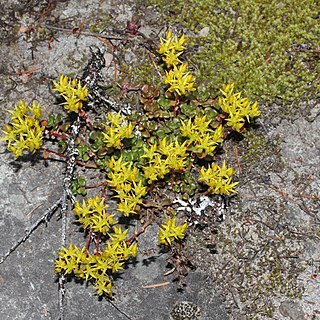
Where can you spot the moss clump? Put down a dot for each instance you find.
(268, 48)
(143, 72)
(256, 147)
(100, 23)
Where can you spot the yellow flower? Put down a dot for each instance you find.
(200, 139)
(170, 231)
(218, 178)
(24, 131)
(171, 48)
(179, 80)
(239, 109)
(117, 130)
(171, 58)
(72, 91)
(93, 215)
(171, 43)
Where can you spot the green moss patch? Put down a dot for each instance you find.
(268, 48)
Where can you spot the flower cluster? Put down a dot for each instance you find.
(200, 138)
(238, 109)
(218, 178)
(97, 267)
(117, 130)
(93, 216)
(164, 158)
(170, 231)
(125, 179)
(171, 48)
(24, 133)
(179, 80)
(73, 92)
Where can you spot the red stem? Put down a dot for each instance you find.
(88, 243)
(97, 250)
(137, 234)
(86, 165)
(57, 135)
(53, 152)
(102, 184)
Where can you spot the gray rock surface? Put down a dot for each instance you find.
(291, 310)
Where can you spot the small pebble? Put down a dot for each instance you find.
(292, 310)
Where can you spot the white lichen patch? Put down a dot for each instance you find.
(185, 310)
